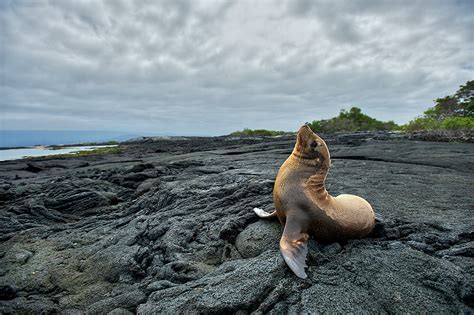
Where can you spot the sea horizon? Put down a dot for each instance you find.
(29, 138)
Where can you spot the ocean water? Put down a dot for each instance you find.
(30, 138)
(14, 154)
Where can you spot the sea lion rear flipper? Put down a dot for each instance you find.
(294, 247)
(263, 214)
(378, 217)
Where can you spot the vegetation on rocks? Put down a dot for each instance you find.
(258, 132)
(349, 121)
(454, 112)
(98, 151)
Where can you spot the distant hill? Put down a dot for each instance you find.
(24, 138)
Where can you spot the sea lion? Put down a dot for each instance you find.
(305, 208)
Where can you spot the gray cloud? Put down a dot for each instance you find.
(211, 67)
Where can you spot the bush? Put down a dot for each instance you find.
(453, 112)
(422, 123)
(258, 133)
(458, 123)
(426, 123)
(349, 121)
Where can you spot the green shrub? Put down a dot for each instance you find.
(349, 121)
(453, 112)
(458, 123)
(426, 123)
(422, 123)
(258, 132)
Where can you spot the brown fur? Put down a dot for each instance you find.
(306, 209)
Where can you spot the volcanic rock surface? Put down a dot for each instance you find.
(167, 226)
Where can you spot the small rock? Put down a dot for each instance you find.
(146, 186)
(18, 255)
(258, 237)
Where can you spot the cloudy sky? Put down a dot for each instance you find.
(211, 67)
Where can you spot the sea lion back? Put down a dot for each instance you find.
(355, 213)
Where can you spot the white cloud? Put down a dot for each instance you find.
(210, 67)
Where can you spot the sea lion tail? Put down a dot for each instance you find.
(294, 248)
(263, 214)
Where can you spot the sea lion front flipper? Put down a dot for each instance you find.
(265, 215)
(294, 247)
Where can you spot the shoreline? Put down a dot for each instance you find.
(31, 153)
(463, 136)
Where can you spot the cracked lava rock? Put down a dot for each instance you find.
(166, 226)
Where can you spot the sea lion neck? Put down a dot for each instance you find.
(315, 170)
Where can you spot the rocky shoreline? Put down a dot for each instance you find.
(167, 226)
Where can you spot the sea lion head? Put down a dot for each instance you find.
(310, 146)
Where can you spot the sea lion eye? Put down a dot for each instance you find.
(313, 144)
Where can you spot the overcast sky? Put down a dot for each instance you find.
(212, 67)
